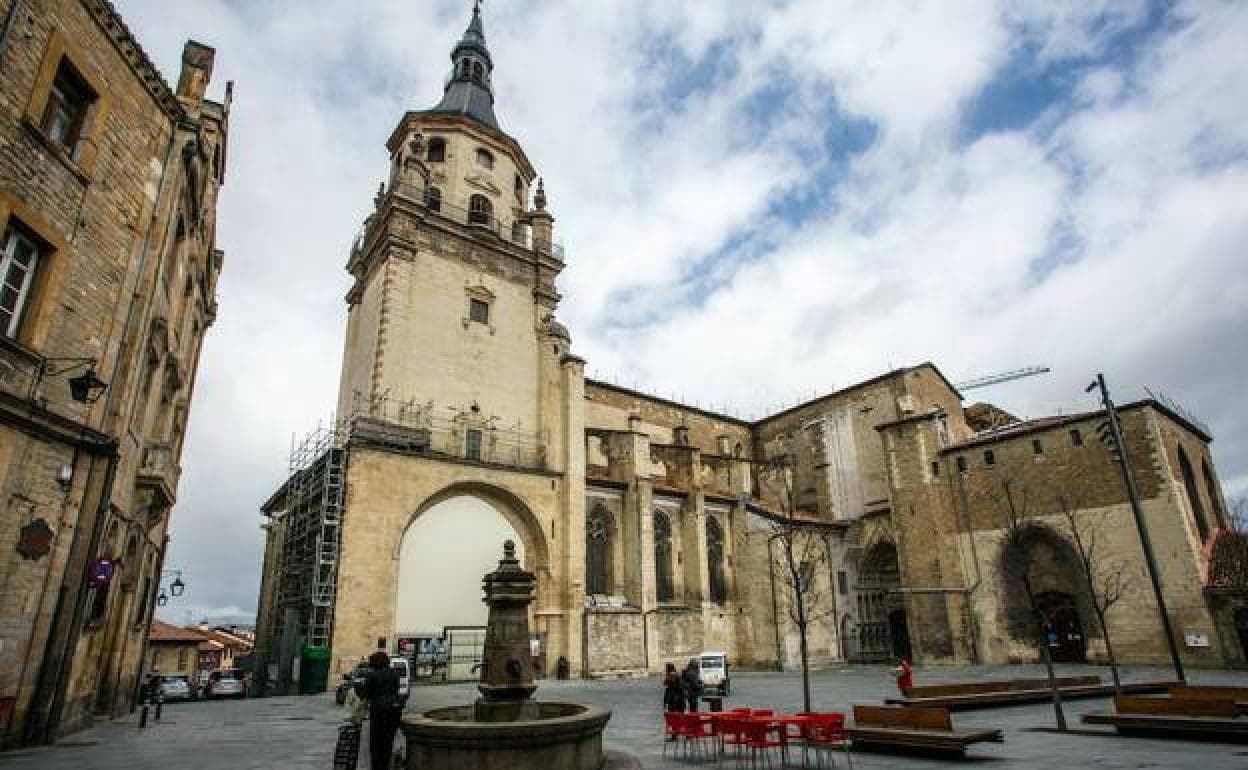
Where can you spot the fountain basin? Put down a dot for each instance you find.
(549, 735)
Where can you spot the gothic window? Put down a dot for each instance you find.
(1212, 488)
(484, 158)
(598, 551)
(480, 210)
(18, 263)
(715, 560)
(1193, 496)
(472, 445)
(465, 67)
(436, 153)
(662, 557)
(478, 72)
(433, 199)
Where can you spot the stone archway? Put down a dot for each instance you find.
(452, 539)
(1039, 557)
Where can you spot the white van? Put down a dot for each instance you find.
(714, 671)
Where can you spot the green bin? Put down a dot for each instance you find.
(313, 670)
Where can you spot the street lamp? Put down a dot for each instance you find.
(177, 587)
(86, 388)
(1113, 441)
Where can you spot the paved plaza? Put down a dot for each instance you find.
(299, 733)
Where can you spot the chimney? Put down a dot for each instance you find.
(197, 60)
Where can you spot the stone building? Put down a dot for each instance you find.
(108, 190)
(174, 650)
(655, 529)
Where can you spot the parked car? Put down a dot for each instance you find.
(404, 669)
(714, 671)
(176, 687)
(224, 684)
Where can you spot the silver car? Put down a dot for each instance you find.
(223, 684)
(175, 687)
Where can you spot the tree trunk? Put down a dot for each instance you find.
(1109, 651)
(805, 672)
(1057, 694)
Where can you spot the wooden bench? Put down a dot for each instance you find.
(927, 729)
(1185, 716)
(1225, 692)
(970, 695)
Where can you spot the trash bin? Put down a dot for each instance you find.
(313, 670)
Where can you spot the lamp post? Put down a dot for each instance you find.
(1114, 440)
(176, 588)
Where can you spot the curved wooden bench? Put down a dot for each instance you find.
(927, 729)
(1186, 716)
(983, 694)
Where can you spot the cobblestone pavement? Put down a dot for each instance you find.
(299, 732)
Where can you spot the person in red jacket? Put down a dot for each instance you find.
(905, 677)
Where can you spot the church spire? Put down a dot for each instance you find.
(469, 91)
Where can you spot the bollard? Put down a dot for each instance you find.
(143, 717)
(159, 702)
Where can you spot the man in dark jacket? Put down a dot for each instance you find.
(691, 680)
(380, 687)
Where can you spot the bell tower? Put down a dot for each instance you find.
(451, 313)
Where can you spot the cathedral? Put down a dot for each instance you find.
(658, 530)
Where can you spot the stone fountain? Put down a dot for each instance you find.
(506, 727)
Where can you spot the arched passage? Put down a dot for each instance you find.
(1036, 557)
(450, 542)
(882, 630)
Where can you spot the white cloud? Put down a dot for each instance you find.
(1106, 235)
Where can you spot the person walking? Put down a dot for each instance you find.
(380, 687)
(691, 682)
(673, 693)
(905, 677)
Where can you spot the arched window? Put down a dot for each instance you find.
(1193, 496)
(715, 560)
(478, 72)
(465, 68)
(433, 199)
(662, 557)
(598, 551)
(437, 150)
(1211, 487)
(484, 158)
(480, 211)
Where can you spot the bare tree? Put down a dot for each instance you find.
(1106, 579)
(1019, 537)
(796, 551)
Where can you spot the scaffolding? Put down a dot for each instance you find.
(313, 529)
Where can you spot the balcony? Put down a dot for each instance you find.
(159, 474)
(467, 436)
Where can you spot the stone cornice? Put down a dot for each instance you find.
(128, 46)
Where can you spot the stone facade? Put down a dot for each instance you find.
(658, 530)
(110, 177)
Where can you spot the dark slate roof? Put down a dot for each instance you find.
(464, 95)
(470, 99)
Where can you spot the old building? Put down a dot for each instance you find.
(108, 191)
(655, 529)
(174, 650)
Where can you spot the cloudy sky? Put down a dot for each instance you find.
(760, 201)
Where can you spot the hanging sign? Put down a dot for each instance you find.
(101, 572)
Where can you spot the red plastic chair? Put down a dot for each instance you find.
(825, 734)
(731, 731)
(762, 737)
(687, 729)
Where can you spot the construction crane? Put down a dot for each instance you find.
(994, 379)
